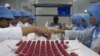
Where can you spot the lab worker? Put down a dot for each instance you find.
(7, 32)
(94, 12)
(16, 20)
(77, 22)
(24, 18)
(55, 24)
(31, 19)
(86, 24)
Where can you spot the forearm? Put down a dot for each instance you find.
(26, 30)
(56, 31)
(61, 31)
(43, 31)
(67, 28)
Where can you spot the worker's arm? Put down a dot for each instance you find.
(36, 29)
(18, 32)
(66, 28)
(56, 31)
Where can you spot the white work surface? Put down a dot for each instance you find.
(7, 48)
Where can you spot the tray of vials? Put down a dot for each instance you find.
(43, 48)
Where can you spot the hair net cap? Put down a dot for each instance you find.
(15, 13)
(78, 19)
(95, 11)
(31, 16)
(5, 13)
(86, 17)
(24, 13)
